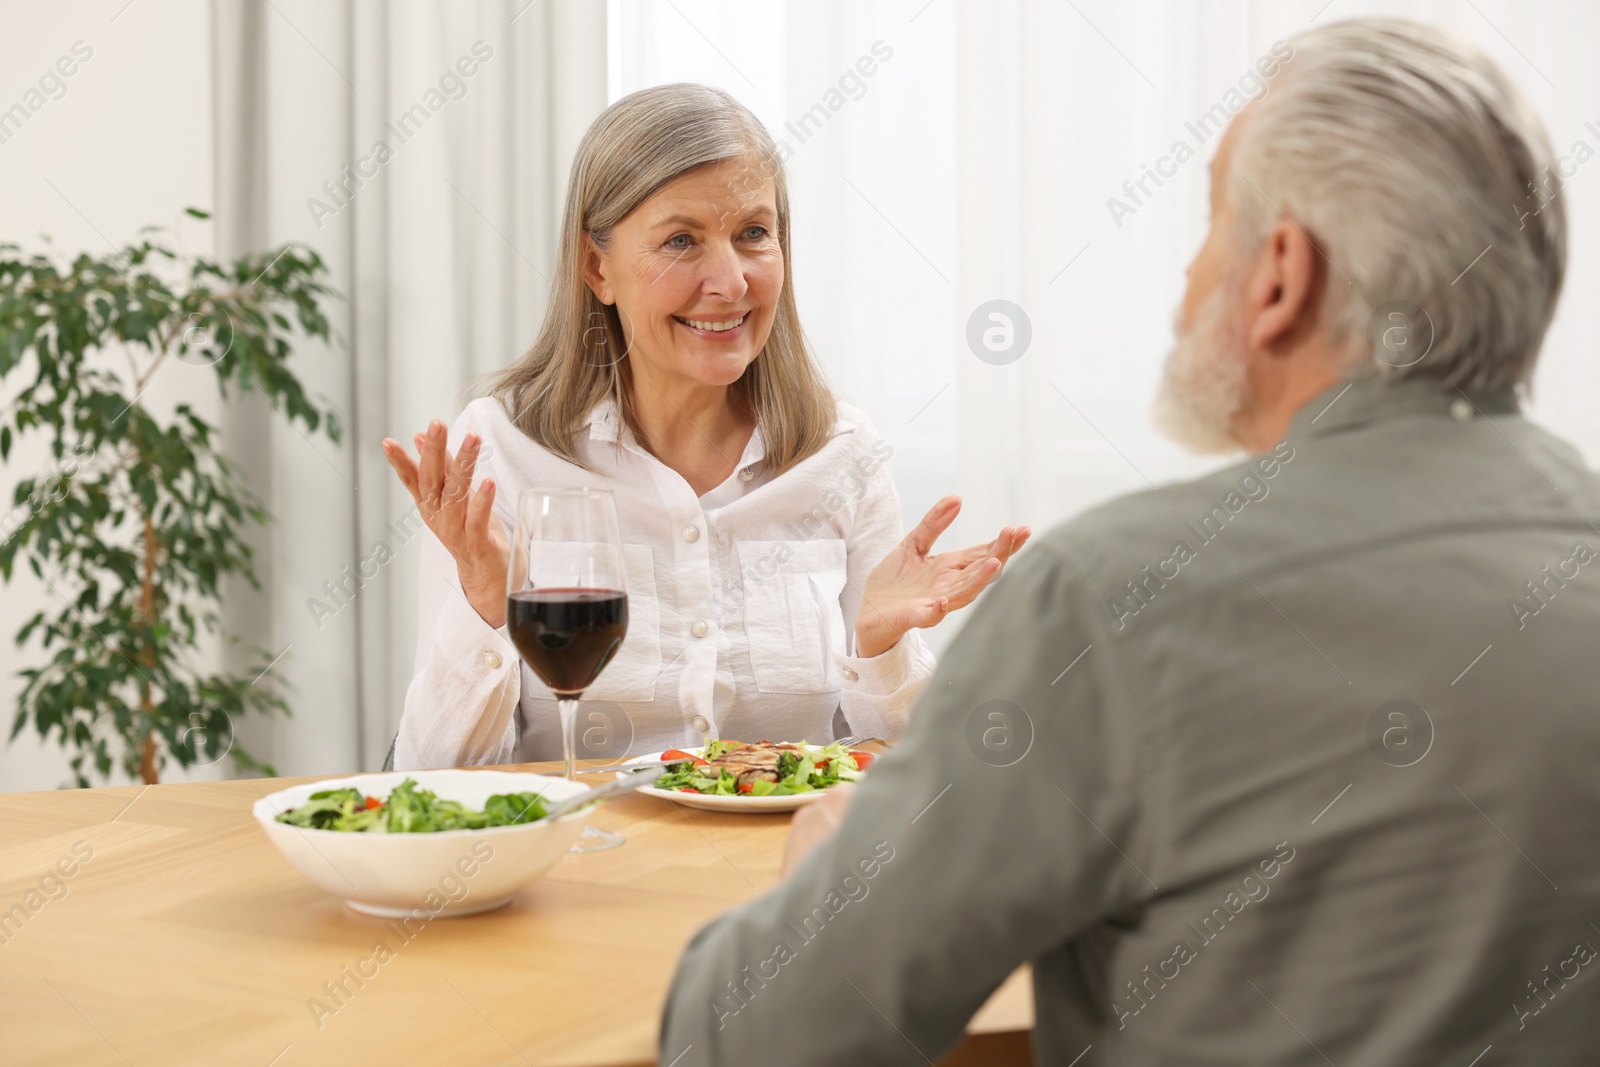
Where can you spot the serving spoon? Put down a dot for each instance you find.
(610, 789)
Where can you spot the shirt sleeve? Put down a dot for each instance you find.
(1007, 823)
(878, 693)
(461, 705)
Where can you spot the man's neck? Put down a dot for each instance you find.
(1278, 397)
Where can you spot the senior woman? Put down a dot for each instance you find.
(770, 591)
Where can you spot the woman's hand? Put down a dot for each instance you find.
(461, 519)
(911, 589)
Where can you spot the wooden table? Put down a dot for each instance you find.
(188, 939)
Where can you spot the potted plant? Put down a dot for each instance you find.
(138, 520)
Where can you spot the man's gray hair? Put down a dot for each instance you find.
(1422, 175)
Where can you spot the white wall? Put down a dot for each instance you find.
(126, 146)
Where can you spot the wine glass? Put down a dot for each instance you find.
(567, 602)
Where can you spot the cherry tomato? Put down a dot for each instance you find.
(373, 802)
(688, 789)
(822, 765)
(746, 787)
(863, 759)
(678, 754)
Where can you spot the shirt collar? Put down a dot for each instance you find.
(604, 421)
(1367, 397)
(606, 424)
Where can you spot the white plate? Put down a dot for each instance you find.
(747, 805)
(427, 875)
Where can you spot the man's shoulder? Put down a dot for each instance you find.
(1113, 543)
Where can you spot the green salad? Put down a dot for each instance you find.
(409, 809)
(760, 768)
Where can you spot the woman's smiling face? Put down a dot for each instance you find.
(695, 272)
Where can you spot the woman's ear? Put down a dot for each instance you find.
(594, 271)
(1285, 281)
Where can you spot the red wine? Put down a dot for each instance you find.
(567, 635)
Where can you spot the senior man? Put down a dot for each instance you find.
(1298, 763)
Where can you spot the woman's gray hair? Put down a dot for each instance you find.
(580, 357)
(1425, 179)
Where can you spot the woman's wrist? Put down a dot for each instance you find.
(871, 643)
(491, 610)
(488, 601)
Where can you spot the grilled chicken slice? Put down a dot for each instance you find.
(752, 760)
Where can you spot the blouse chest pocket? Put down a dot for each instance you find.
(792, 615)
(632, 672)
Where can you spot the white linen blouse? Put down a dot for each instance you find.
(742, 606)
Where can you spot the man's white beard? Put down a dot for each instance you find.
(1204, 383)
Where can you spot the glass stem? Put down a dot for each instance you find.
(568, 709)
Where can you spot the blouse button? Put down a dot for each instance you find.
(691, 534)
(699, 722)
(700, 628)
(746, 474)
(1461, 409)
(492, 660)
(850, 675)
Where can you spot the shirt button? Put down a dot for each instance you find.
(700, 628)
(699, 722)
(746, 474)
(850, 675)
(1461, 409)
(691, 534)
(492, 660)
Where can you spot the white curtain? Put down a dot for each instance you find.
(975, 164)
(442, 245)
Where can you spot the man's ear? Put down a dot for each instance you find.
(1284, 288)
(594, 271)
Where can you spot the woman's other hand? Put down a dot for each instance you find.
(462, 520)
(912, 589)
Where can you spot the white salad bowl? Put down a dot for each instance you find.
(427, 875)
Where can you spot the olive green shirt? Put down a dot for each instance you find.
(1297, 763)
